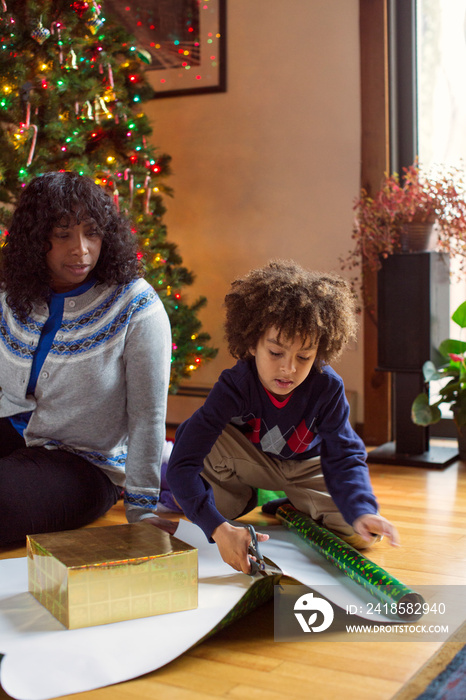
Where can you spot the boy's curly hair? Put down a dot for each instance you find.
(298, 302)
(55, 198)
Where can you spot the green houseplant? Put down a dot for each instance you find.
(430, 198)
(453, 391)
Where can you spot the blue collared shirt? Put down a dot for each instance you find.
(56, 305)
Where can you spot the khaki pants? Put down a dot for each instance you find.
(235, 468)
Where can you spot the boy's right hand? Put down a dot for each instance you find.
(233, 543)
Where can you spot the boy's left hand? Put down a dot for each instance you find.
(369, 524)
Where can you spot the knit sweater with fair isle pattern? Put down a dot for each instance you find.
(102, 390)
(313, 421)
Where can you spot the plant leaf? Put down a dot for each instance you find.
(422, 413)
(452, 346)
(430, 371)
(459, 316)
(449, 392)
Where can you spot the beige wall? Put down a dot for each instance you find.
(271, 167)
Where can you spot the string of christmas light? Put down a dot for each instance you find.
(72, 84)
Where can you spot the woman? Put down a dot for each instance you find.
(84, 363)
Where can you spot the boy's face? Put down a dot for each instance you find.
(283, 364)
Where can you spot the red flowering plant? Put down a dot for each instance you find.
(452, 391)
(438, 196)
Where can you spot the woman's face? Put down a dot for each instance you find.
(74, 252)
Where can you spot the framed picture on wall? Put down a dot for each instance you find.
(184, 42)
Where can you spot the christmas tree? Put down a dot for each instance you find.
(71, 87)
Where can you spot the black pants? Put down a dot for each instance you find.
(47, 490)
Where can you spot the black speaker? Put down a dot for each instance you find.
(413, 309)
(413, 318)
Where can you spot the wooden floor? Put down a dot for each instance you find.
(429, 508)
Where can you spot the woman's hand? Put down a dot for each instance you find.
(369, 525)
(233, 543)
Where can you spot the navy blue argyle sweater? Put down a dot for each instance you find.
(313, 421)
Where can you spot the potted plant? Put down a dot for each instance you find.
(453, 391)
(421, 199)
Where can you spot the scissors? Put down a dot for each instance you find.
(259, 565)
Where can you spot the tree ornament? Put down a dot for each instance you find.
(80, 7)
(143, 55)
(95, 23)
(147, 194)
(110, 75)
(28, 115)
(100, 109)
(33, 144)
(86, 111)
(55, 27)
(129, 176)
(40, 33)
(70, 62)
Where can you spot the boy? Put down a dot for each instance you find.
(278, 419)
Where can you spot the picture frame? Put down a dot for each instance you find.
(182, 43)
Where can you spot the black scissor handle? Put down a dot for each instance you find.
(257, 564)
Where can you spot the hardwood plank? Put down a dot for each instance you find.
(338, 683)
(176, 675)
(246, 692)
(240, 658)
(288, 686)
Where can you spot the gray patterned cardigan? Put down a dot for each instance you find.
(102, 390)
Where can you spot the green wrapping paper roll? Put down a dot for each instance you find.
(357, 567)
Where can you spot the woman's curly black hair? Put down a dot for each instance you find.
(299, 303)
(48, 200)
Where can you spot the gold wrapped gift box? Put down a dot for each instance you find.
(99, 575)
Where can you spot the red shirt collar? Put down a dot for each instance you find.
(276, 402)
